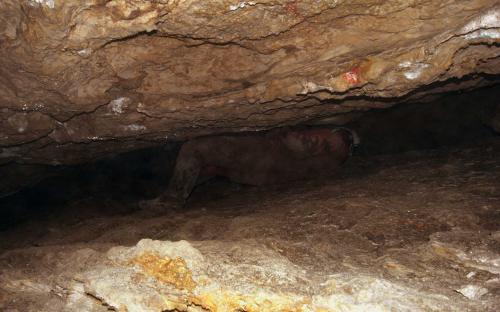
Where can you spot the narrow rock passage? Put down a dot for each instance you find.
(418, 231)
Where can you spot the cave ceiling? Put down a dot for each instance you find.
(82, 79)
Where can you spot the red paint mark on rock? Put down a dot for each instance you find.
(353, 76)
(291, 8)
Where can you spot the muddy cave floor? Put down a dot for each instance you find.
(418, 231)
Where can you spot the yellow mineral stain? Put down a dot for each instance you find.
(166, 270)
(229, 302)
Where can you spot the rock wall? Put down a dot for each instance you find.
(81, 79)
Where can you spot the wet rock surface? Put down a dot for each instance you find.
(80, 80)
(418, 231)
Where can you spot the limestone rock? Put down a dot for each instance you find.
(175, 276)
(348, 244)
(475, 249)
(473, 292)
(80, 80)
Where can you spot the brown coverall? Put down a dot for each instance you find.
(260, 159)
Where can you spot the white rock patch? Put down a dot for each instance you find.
(471, 274)
(48, 3)
(488, 20)
(481, 26)
(473, 292)
(241, 5)
(84, 52)
(118, 106)
(135, 127)
(415, 69)
(484, 33)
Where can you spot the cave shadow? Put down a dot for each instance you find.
(118, 183)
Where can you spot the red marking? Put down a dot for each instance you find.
(291, 8)
(352, 76)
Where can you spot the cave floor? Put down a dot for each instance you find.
(418, 231)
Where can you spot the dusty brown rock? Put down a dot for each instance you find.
(229, 282)
(83, 79)
(474, 249)
(365, 241)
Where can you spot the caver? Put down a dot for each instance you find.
(276, 157)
